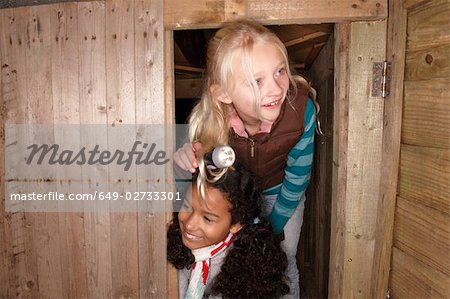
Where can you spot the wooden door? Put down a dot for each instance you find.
(414, 259)
(91, 62)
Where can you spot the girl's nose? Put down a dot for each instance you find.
(274, 87)
(191, 222)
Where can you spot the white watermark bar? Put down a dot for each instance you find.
(91, 168)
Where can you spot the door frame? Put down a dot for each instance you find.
(348, 17)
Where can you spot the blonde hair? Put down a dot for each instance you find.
(209, 118)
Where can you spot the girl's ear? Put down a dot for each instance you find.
(218, 93)
(235, 228)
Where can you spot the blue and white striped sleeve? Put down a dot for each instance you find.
(296, 174)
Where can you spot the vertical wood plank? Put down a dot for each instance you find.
(321, 73)
(396, 36)
(364, 162)
(24, 277)
(93, 110)
(39, 92)
(5, 223)
(340, 140)
(356, 210)
(65, 88)
(169, 96)
(149, 66)
(120, 83)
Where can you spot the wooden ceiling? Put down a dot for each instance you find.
(303, 43)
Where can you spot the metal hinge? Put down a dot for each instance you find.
(381, 79)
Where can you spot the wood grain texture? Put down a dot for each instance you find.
(120, 99)
(65, 89)
(428, 25)
(205, 13)
(93, 110)
(429, 63)
(340, 144)
(423, 233)
(41, 111)
(424, 176)
(150, 109)
(413, 279)
(426, 120)
(23, 279)
(321, 73)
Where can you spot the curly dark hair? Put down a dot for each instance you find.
(255, 265)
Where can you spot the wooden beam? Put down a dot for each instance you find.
(354, 214)
(304, 38)
(340, 145)
(320, 69)
(18, 3)
(189, 68)
(211, 14)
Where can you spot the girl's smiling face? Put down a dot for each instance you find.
(270, 78)
(205, 222)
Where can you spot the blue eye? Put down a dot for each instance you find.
(280, 71)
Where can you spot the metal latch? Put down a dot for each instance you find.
(381, 79)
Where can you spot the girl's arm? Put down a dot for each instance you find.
(297, 173)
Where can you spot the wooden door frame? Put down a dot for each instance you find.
(393, 109)
(343, 14)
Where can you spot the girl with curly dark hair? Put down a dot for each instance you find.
(221, 247)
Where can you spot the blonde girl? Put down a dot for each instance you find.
(252, 102)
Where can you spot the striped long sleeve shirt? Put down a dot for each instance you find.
(297, 174)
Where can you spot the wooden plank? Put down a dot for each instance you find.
(203, 14)
(340, 144)
(189, 68)
(93, 110)
(323, 66)
(411, 278)
(305, 38)
(65, 88)
(423, 233)
(169, 102)
(429, 25)
(6, 265)
(23, 280)
(364, 157)
(426, 120)
(357, 213)
(39, 89)
(120, 87)
(150, 109)
(425, 176)
(396, 37)
(322, 78)
(429, 63)
(17, 3)
(323, 191)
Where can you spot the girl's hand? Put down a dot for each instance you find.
(185, 158)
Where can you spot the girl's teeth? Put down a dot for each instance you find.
(271, 104)
(191, 236)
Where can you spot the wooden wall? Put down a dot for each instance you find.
(421, 247)
(82, 63)
(106, 57)
(315, 237)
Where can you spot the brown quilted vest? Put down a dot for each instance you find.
(265, 154)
